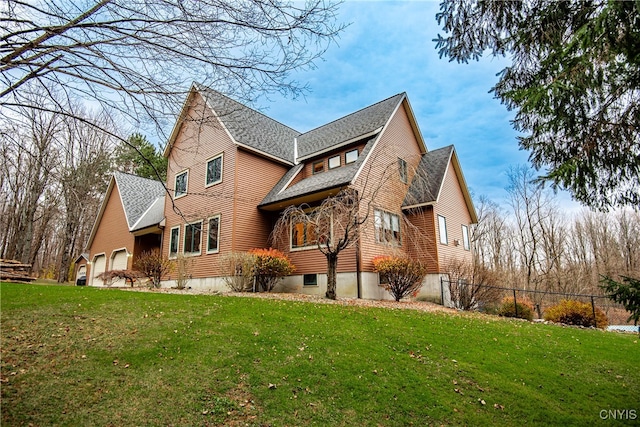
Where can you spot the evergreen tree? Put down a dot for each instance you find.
(140, 157)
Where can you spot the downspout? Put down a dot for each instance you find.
(358, 258)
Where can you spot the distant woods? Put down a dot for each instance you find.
(53, 174)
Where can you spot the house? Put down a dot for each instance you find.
(232, 170)
(80, 266)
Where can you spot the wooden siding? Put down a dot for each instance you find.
(113, 232)
(452, 206)
(246, 180)
(380, 185)
(424, 247)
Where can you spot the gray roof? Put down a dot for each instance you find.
(138, 195)
(322, 181)
(250, 127)
(427, 182)
(349, 127)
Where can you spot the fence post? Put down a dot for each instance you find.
(515, 302)
(442, 291)
(593, 309)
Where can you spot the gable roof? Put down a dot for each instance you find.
(247, 127)
(427, 183)
(142, 201)
(349, 128)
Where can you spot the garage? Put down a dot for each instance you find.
(119, 262)
(99, 265)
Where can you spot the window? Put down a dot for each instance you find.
(174, 240)
(318, 167)
(310, 280)
(442, 229)
(192, 237)
(180, 188)
(214, 171)
(334, 162)
(402, 169)
(351, 156)
(387, 227)
(213, 239)
(303, 234)
(465, 238)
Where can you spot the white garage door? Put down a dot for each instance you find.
(82, 271)
(119, 262)
(99, 265)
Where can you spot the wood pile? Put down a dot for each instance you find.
(15, 271)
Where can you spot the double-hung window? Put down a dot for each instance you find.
(214, 170)
(181, 184)
(442, 230)
(387, 227)
(192, 238)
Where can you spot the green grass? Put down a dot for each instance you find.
(86, 356)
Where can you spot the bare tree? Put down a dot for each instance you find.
(138, 57)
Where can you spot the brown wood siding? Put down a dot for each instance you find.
(452, 206)
(246, 180)
(309, 261)
(255, 177)
(379, 181)
(424, 249)
(113, 231)
(307, 171)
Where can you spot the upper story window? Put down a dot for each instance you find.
(387, 227)
(402, 169)
(465, 238)
(442, 230)
(214, 170)
(351, 156)
(318, 167)
(192, 238)
(181, 184)
(334, 162)
(213, 237)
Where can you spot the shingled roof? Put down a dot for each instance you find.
(250, 127)
(348, 128)
(430, 173)
(139, 198)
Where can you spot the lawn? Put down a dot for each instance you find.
(87, 356)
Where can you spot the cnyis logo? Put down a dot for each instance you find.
(619, 414)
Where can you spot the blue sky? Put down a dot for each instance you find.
(388, 49)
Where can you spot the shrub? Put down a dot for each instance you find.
(402, 276)
(472, 286)
(269, 265)
(572, 312)
(129, 276)
(153, 265)
(237, 268)
(508, 308)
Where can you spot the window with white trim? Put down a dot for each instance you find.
(402, 169)
(213, 234)
(181, 184)
(304, 233)
(214, 170)
(192, 238)
(442, 230)
(387, 227)
(174, 241)
(465, 238)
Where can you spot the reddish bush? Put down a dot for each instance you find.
(400, 276)
(571, 312)
(269, 265)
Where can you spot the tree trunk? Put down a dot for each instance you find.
(332, 266)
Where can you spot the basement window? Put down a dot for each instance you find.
(310, 280)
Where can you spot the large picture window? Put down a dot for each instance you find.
(192, 238)
(174, 241)
(303, 234)
(182, 181)
(214, 171)
(213, 236)
(387, 227)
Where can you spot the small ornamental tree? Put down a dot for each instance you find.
(269, 266)
(402, 276)
(153, 265)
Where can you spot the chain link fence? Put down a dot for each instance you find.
(485, 298)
